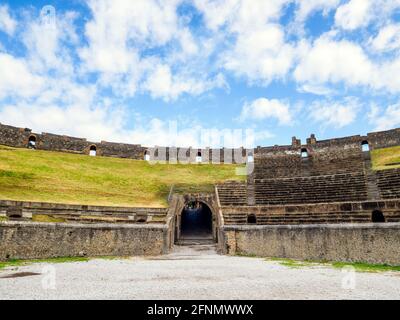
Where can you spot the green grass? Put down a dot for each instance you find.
(358, 266)
(44, 176)
(46, 218)
(387, 158)
(365, 267)
(293, 263)
(21, 263)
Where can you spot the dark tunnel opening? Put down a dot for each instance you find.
(196, 221)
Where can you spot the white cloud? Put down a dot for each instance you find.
(216, 12)
(387, 39)
(327, 60)
(95, 123)
(163, 83)
(265, 46)
(263, 108)
(120, 35)
(239, 15)
(337, 114)
(307, 7)
(119, 31)
(44, 41)
(16, 79)
(389, 119)
(354, 14)
(7, 23)
(258, 37)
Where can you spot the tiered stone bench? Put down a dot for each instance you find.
(345, 212)
(327, 188)
(232, 193)
(389, 183)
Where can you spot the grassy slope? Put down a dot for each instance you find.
(68, 178)
(382, 157)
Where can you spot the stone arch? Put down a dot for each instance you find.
(365, 146)
(304, 153)
(377, 216)
(93, 150)
(206, 200)
(196, 221)
(250, 157)
(251, 218)
(32, 140)
(199, 158)
(147, 155)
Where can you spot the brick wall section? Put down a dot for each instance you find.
(370, 243)
(27, 240)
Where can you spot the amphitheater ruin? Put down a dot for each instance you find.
(315, 201)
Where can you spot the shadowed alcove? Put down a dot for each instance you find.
(196, 221)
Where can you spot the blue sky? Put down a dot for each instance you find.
(127, 71)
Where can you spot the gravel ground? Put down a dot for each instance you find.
(192, 273)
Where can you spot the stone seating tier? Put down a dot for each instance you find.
(388, 182)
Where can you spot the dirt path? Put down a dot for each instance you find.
(192, 272)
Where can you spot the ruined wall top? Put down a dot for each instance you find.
(20, 137)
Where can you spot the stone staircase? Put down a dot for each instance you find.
(192, 242)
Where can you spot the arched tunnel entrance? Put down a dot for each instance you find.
(196, 221)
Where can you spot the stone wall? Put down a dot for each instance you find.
(323, 158)
(370, 243)
(384, 139)
(19, 137)
(322, 213)
(75, 212)
(27, 240)
(285, 155)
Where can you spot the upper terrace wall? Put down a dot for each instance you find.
(279, 156)
(19, 137)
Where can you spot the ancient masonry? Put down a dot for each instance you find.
(320, 200)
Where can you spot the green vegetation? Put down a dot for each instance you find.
(19, 263)
(3, 219)
(358, 266)
(44, 176)
(387, 158)
(293, 263)
(46, 218)
(365, 267)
